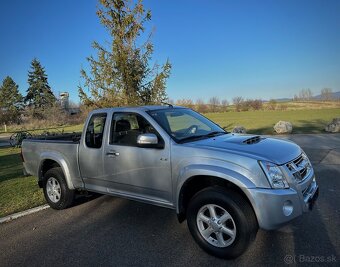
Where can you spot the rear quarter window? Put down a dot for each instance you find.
(95, 130)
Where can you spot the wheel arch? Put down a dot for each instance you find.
(50, 161)
(196, 183)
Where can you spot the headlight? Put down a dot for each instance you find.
(274, 175)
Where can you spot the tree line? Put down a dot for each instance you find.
(238, 103)
(38, 98)
(326, 94)
(215, 104)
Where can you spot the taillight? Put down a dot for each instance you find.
(22, 156)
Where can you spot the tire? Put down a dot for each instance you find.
(56, 192)
(221, 221)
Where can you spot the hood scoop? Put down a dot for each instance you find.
(253, 140)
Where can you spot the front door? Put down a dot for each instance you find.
(132, 170)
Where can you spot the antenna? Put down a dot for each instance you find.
(169, 105)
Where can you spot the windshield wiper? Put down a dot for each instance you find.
(195, 137)
(192, 137)
(215, 133)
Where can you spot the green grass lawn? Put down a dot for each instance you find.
(17, 193)
(262, 122)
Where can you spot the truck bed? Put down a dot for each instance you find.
(63, 149)
(60, 138)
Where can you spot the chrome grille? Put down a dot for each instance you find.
(300, 168)
(306, 190)
(298, 160)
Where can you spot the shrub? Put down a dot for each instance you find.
(256, 104)
(271, 104)
(237, 101)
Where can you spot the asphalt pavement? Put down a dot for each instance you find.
(109, 231)
(4, 140)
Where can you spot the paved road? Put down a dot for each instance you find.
(108, 231)
(4, 140)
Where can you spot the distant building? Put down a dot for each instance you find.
(65, 104)
(64, 100)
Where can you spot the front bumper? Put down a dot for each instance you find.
(310, 195)
(276, 207)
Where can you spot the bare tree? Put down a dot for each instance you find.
(214, 103)
(326, 94)
(301, 95)
(272, 104)
(185, 103)
(305, 94)
(224, 104)
(309, 94)
(246, 105)
(200, 106)
(256, 104)
(282, 106)
(237, 101)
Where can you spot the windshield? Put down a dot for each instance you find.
(185, 124)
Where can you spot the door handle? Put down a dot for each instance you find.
(113, 153)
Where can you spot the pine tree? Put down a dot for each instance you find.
(121, 74)
(11, 101)
(39, 94)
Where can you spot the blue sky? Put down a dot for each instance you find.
(254, 49)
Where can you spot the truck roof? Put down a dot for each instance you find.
(143, 108)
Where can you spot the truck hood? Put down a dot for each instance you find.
(259, 147)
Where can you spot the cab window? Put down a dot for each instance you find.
(127, 126)
(95, 130)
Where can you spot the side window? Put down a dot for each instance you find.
(95, 130)
(127, 126)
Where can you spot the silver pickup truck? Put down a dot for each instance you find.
(225, 185)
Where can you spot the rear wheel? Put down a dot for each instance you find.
(56, 192)
(221, 222)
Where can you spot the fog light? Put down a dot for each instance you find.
(287, 208)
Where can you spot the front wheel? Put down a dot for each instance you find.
(56, 192)
(221, 222)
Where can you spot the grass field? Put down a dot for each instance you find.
(306, 117)
(259, 122)
(262, 122)
(17, 192)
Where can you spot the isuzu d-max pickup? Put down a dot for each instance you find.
(225, 185)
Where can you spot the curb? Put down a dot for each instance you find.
(22, 213)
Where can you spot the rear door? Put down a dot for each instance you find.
(91, 152)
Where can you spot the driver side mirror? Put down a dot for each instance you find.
(148, 140)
